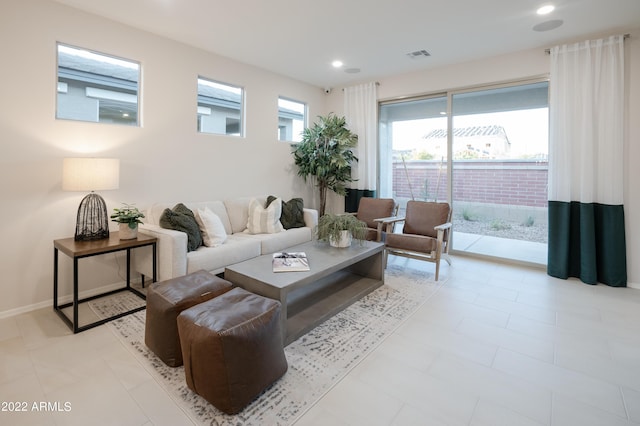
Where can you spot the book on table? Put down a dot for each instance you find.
(289, 262)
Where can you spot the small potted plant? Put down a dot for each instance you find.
(128, 217)
(339, 229)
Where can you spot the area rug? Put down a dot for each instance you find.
(317, 360)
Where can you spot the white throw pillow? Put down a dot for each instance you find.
(264, 221)
(211, 227)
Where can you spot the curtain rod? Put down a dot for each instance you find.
(624, 37)
(376, 82)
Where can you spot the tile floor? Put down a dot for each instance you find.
(497, 345)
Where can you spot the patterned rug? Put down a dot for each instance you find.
(317, 360)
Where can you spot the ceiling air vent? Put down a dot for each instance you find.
(418, 54)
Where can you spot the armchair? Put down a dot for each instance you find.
(370, 210)
(425, 235)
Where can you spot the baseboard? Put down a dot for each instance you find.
(62, 300)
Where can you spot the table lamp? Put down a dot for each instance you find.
(91, 174)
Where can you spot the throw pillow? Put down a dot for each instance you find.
(180, 218)
(211, 227)
(264, 220)
(292, 212)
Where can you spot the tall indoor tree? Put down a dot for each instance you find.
(325, 155)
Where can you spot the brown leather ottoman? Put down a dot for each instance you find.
(165, 301)
(232, 348)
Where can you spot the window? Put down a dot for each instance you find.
(96, 87)
(220, 108)
(485, 150)
(292, 119)
(408, 167)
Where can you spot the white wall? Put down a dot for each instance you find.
(522, 65)
(163, 160)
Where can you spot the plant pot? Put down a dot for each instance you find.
(127, 233)
(343, 241)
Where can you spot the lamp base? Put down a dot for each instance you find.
(92, 222)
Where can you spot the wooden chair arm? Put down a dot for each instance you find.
(390, 219)
(443, 226)
(388, 224)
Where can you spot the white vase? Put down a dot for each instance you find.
(343, 241)
(127, 233)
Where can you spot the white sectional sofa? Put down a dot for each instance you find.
(174, 260)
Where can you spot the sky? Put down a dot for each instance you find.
(527, 130)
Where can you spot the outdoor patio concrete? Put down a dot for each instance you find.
(525, 252)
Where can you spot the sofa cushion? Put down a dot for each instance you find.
(263, 220)
(180, 218)
(271, 243)
(238, 212)
(218, 208)
(215, 259)
(292, 212)
(211, 227)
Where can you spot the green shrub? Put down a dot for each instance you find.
(529, 222)
(499, 225)
(468, 215)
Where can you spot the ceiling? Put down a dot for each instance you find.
(300, 38)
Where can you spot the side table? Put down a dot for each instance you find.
(81, 249)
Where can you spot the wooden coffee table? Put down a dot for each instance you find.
(338, 277)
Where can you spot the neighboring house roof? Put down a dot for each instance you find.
(473, 131)
(485, 141)
(97, 67)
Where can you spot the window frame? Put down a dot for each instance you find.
(100, 91)
(221, 104)
(305, 118)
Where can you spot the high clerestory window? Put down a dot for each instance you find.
(97, 87)
(292, 119)
(220, 108)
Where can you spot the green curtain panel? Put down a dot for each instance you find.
(352, 200)
(587, 242)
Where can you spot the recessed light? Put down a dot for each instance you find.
(545, 10)
(336, 64)
(548, 25)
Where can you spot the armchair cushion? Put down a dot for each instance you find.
(422, 218)
(370, 209)
(417, 243)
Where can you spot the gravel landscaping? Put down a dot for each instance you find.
(536, 232)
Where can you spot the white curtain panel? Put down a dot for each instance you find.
(586, 122)
(361, 113)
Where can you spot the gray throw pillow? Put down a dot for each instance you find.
(180, 218)
(292, 212)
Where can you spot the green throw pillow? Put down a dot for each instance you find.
(180, 218)
(292, 212)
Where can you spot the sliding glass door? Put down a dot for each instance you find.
(483, 150)
(500, 156)
(411, 167)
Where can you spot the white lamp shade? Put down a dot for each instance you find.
(90, 174)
